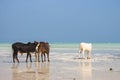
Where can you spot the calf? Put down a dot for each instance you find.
(85, 47)
(43, 49)
(24, 48)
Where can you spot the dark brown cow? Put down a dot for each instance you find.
(43, 49)
(24, 48)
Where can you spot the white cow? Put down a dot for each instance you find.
(85, 47)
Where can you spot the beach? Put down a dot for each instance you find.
(64, 64)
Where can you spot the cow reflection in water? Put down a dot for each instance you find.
(31, 71)
(42, 71)
(86, 70)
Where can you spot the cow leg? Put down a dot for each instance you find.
(30, 57)
(88, 55)
(27, 57)
(29, 54)
(36, 56)
(48, 57)
(79, 53)
(44, 57)
(83, 54)
(13, 57)
(17, 58)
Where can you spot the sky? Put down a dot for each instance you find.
(60, 20)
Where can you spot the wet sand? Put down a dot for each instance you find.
(61, 67)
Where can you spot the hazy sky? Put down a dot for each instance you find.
(60, 20)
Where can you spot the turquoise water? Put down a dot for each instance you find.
(99, 49)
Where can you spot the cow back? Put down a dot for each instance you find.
(23, 48)
(43, 47)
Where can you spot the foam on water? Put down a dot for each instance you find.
(5, 49)
(101, 51)
(70, 51)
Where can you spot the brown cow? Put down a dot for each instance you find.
(43, 49)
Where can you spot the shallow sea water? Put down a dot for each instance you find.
(64, 63)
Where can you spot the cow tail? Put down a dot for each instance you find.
(14, 50)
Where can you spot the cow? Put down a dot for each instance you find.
(85, 47)
(19, 47)
(43, 50)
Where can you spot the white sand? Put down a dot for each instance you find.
(61, 67)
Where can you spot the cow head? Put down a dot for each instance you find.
(37, 45)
